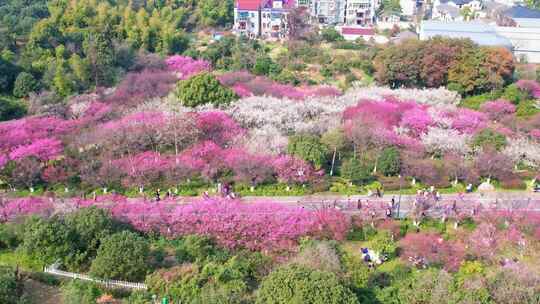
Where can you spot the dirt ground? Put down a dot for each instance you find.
(40, 293)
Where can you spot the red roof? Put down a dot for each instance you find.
(249, 4)
(357, 31)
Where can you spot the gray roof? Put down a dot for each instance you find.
(451, 10)
(480, 33)
(522, 12)
(457, 2)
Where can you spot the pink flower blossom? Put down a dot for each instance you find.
(498, 109)
(24, 206)
(43, 149)
(186, 67)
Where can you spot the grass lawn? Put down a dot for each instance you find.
(14, 259)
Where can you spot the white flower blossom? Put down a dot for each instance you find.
(439, 140)
(523, 150)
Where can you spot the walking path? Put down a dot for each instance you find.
(53, 269)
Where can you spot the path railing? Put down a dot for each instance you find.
(53, 269)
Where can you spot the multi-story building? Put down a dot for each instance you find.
(267, 19)
(262, 18)
(360, 12)
(329, 12)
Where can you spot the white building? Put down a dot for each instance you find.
(360, 12)
(523, 41)
(328, 11)
(262, 18)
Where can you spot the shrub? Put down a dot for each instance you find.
(297, 284)
(330, 34)
(527, 108)
(10, 287)
(389, 162)
(122, 256)
(489, 138)
(11, 110)
(79, 292)
(513, 182)
(384, 244)
(514, 94)
(203, 89)
(24, 85)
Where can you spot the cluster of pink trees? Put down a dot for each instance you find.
(530, 86)
(259, 226)
(14, 208)
(185, 67)
(246, 84)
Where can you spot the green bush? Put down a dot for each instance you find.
(296, 284)
(272, 190)
(330, 34)
(195, 248)
(24, 85)
(474, 102)
(203, 89)
(79, 292)
(11, 109)
(122, 256)
(527, 108)
(384, 244)
(489, 138)
(514, 94)
(10, 286)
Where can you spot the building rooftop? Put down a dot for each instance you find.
(252, 5)
(449, 9)
(357, 31)
(522, 12)
(480, 33)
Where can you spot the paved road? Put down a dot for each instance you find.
(526, 201)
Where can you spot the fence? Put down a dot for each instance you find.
(107, 283)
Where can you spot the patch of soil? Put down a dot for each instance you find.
(40, 293)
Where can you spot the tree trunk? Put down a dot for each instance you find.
(333, 162)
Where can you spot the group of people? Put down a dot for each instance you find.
(168, 194)
(430, 193)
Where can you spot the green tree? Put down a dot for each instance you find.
(11, 109)
(24, 85)
(355, 171)
(203, 89)
(296, 284)
(92, 225)
(100, 52)
(7, 76)
(10, 287)
(335, 140)
(309, 148)
(391, 7)
(122, 256)
(49, 240)
(389, 162)
(215, 12)
(489, 138)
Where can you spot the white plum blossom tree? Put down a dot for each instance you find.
(439, 140)
(523, 150)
